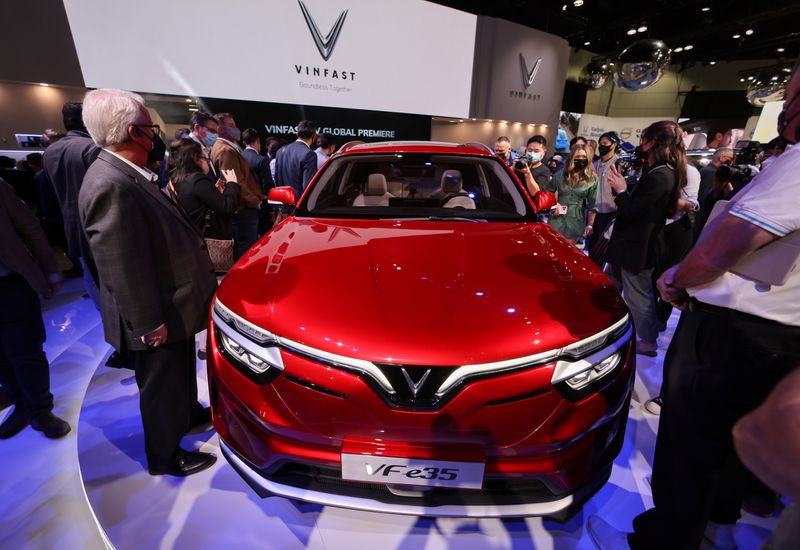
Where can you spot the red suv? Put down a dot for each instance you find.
(413, 339)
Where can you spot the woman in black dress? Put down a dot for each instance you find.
(209, 204)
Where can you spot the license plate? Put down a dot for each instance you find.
(412, 471)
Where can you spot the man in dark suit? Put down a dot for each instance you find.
(226, 155)
(65, 163)
(260, 165)
(296, 163)
(27, 267)
(156, 277)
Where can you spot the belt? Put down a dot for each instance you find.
(697, 305)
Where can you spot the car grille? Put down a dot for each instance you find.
(495, 491)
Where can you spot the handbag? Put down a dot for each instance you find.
(598, 251)
(219, 250)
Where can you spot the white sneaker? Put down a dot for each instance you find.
(605, 536)
(719, 536)
(653, 406)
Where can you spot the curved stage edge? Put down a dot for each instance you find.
(217, 509)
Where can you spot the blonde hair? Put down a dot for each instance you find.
(575, 177)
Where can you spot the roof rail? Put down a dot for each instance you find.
(350, 144)
(477, 144)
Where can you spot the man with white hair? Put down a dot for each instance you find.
(156, 277)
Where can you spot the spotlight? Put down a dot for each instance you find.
(750, 77)
(586, 43)
(705, 9)
(712, 62)
(741, 80)
(748, 32)
(689, 47)
(564, 7)
(577, 3)
(737, 36)
(631, 31)
(678, 50)
(781, 50)
(642, 27)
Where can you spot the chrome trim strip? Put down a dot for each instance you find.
(568, 369)
(500, 366)
(370, 505)
(366, 367)
(238, 319)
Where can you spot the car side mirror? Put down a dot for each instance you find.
(281, 195)
(543, 201)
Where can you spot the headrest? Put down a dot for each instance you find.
(376, 184)
(451, 181)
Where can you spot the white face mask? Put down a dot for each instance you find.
(534, 156)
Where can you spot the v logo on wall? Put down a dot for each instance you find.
(324, 45)
(528, 76)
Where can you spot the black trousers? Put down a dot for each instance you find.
(245, 231)
(720, 365)
(24, 370)
(678, 238)
(167, 381)
(601, 221)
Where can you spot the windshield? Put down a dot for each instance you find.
(416, 185)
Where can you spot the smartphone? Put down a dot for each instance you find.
(560, 209)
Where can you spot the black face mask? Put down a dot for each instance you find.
(156, 154)
(604, 149)
(580, 164)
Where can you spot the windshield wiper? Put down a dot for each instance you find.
(454, 219)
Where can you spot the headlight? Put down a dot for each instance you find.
(250, 346)
(583, 379)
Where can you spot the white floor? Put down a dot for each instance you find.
(47, 504)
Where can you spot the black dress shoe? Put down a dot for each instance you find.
(51, 425)
(119, 361)
(13, 424)
(184, 464)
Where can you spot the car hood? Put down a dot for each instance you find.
(421, 292)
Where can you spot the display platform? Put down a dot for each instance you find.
(216, 508)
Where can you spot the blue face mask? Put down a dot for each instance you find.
(535, 157)
(210, 139)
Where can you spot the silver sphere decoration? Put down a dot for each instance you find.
(597, 72)
(766, 87)
(641, 64)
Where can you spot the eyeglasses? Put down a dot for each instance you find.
(155, 128)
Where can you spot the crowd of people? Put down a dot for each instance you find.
(137, 224)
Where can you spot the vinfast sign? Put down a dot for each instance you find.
(381, 55)
(528, 76)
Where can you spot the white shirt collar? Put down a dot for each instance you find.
(252, 149)
(152, 177)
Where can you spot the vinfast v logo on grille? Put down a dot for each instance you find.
(415, 386)
(528, 76)
(324, 45)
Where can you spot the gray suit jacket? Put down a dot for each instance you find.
(23, 246)
(65, 163)
(153, 264)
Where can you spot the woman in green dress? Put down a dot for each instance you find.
(576, 189)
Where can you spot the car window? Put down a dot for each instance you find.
(410, 185)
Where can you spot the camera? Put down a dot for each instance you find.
(737, 174)
(629, 162)
(522, 162)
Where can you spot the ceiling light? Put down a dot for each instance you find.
(781, 50)
(774, 78)
(577, 3)
(192, 109)
(678, 50)
(188, 100)
(631, 31)
(689, 47)
(741, 80)
(737, 36)
(712, 62)
(45, 84)
(750, 78)
(564, 7)
(705, 9)
(642, 28)
(748, 32)
(586, 43)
